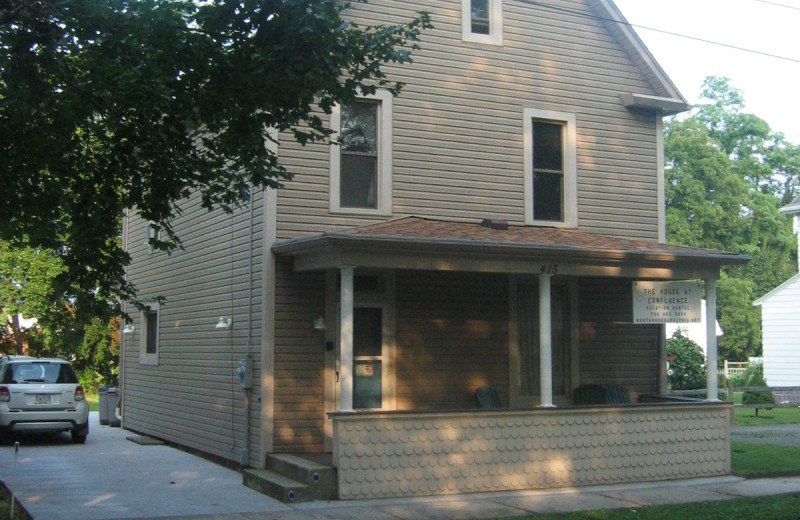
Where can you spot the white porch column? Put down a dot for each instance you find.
(712, 393)
(545, 344)
(346, 341)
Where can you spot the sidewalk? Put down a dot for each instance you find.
(523, 503)
(112, 477)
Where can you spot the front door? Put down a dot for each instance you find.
(373, 345)
(368, 342)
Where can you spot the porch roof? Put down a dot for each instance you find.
(424, 243)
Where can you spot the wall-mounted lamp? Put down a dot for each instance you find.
(319, 323)
(128, 329)
(223, 323)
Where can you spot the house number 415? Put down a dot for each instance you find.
(549, 269)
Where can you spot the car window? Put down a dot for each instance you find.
(43, 372)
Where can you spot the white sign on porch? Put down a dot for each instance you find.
(666, 302)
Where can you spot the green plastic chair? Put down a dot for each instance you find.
(488, 398)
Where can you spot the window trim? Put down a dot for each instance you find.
(495, 36)
(570, 165)
(146, 358)
(384, 180)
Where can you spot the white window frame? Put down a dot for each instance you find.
(495, 36)
(146, 358)
(384, 180)
(570, 147)
(152, 231)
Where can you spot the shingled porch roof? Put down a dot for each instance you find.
(416, 242)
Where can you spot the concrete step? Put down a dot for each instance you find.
(276, 486)
(320, 478)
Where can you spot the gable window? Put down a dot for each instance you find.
(482, 21)
(550, 168)
(361, 162)
(148, 349)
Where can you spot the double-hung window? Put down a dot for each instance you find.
(152, 234)
(361, 163)
(482, 21)
(550, 168)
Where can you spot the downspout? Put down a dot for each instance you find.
(247, 386)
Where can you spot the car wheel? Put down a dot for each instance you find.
(79, 434)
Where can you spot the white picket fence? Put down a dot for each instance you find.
(732, 368)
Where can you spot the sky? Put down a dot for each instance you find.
(771, 86)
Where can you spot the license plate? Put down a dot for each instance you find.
(41, 399)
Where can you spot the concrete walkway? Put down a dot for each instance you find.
(112, 477)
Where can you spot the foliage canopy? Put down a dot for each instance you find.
(113, 105)
(727, 174)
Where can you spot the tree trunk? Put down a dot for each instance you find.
(20, 336)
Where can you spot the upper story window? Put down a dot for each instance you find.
(482, 21)
(550, 168)
(148, 347)
(152, 234)
(361, 165)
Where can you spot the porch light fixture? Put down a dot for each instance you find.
(223, 323)
(319, 323)
(128, 329)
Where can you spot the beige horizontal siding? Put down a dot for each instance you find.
(192, 397)
(452, 338)
(458, 123)
(612, 349)
(299, 361)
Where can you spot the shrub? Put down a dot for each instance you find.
(754, 377)
(688, 363)
(738, 380)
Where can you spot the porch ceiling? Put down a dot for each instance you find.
(422, 243)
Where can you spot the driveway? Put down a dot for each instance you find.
(111, 477)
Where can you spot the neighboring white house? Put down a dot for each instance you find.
(695, 331)
(780, 324)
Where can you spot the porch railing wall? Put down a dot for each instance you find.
(402, 454)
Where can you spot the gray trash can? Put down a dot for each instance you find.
(102, 395)
(113, 396)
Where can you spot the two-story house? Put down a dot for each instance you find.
(483, 229)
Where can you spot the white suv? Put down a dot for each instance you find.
(42, 395)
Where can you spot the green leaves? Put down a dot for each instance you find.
(726, 176)
(687, 362)
(108, 105)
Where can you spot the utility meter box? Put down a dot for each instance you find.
(244, 373)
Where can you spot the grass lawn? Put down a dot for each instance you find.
(762, 460)
(779, 507)
(94, 402)
(747, 416)
(5, 506)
